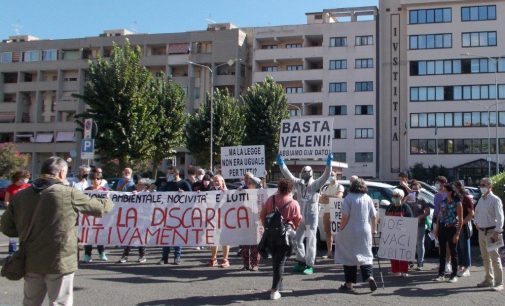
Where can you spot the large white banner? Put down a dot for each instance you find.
(177, 218)
(398, 238)
(306, 138)
(236, 161)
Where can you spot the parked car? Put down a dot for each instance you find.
(4, 183)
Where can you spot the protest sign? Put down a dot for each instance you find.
(236, 161)
(306, 138)
(177, 218)
(335, 214)
(398, 238)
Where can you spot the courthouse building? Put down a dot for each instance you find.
(408, 82)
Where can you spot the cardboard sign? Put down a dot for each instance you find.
(335, 214)
(306, 138)
(236, 161)
(398, 238)
(177, 218)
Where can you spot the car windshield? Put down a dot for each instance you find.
(4, 183)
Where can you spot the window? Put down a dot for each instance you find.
(50, 55)
(456, 119)
(340, 133)
(478, 39)
(364, 40)
(363, 133)
(430, 41)
(6, 57)
(338, 87)
(363, 157)
(292, 90)
(31, 56)
(294, 67)
(414, 120)
(340, 156)
(338, 64)
(439, 15)
(269, 47)
(297, 45)
(364, 86)
(337, 110)
(269, 68)
(478, 13)
(454, 146)
(364, 110)
(338, 41)
(361, 63)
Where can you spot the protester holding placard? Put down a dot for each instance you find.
(464, 251)
(353, 243)
(420, 210)
(398, 209)
(333, 190)
(219, 184)
(449, 225)
(290, 212)
(489, 221)
(307, 193)
(249, 253)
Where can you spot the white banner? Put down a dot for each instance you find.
(335, 214)
(236, 161)
(398, 238)
(306, 138)
(177, 218)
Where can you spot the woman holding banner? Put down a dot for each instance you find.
(353, 243)
(449, 224)
(291, 216)
(250, 254)
(399, 209)
(219, 184)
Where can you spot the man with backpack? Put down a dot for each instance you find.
(280, 216)
(307, 193)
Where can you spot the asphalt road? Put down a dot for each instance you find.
(192, 283)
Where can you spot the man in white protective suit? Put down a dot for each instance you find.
(307, 194)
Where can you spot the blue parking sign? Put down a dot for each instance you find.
(87, 149)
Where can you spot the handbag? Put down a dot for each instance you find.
(14, 265)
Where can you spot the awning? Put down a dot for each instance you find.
(44, 138)
(65, 137)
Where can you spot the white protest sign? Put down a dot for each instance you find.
(398, 238)
(177, 218)
(335, 214)
(306, 138)
(236, 161)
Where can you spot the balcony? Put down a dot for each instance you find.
(9, 107)
(10, 87)
(306, 97)
(287, 53)
(295, 75)
(45, 147)
(66, 105)
(71, 86)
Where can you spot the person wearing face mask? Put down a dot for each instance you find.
(82, 182)
(19, 182)
(420, 210)
(205, 184)
(307, 194)
(333, 190)
(449, 223)
(489, 221)
(191, 176)
(440, 181)
(126, 182)
(249, 253)
(219, 184)
(464, 251)
(399, 209)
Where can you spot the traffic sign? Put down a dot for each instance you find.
(88, 127)
(87, 149)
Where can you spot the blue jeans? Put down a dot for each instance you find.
(465, 259)
(166, 251)
(420, 245)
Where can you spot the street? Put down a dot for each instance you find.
(192, 283)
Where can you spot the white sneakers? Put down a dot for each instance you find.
(498, 288)
(275, 295)
(448, 268)
(464, 272)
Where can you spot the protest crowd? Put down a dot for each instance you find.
(287, 217)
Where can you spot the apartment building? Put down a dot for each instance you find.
(38, 78)
(439, 102)
(328, 67)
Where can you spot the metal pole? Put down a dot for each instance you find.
(488, 143)
(211, 117)
(497, 118)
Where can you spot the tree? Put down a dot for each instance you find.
(265, 106)
(228, 125)
(11, 160)
(172, 118)
(119, 99)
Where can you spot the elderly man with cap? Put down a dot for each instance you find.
(307, 194)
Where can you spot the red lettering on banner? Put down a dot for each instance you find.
(131, 214)
(135, 235)
(85, 219)
(97, 232)
(121, 238)
(96, 222)
(162, 215)
(196, 215)
(175, 217)
(108, 236)
(163, 236)
(245, 217)
(197, 232)
(149, 233)
(184, 218)
(208, 236)
(184, 238)
(208, 219)
(226, 219)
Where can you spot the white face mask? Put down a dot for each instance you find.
(26, 181)
(199, 177)
(483, 190)
(438, 187)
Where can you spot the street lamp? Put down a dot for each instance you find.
(496, 62)
(211, 71)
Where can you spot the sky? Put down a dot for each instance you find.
(58, 19)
